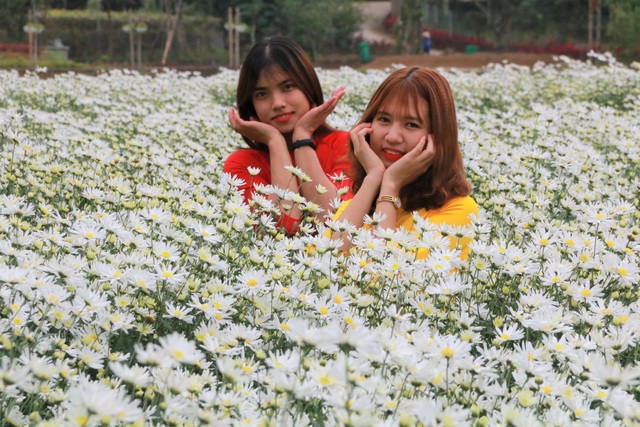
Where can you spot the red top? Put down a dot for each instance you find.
(331, 150)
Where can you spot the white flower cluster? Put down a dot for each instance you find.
(136, 287)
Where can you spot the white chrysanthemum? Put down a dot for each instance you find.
(180, 349)
(100, 404)
(156, 215)
(251, 282)
(135, 375)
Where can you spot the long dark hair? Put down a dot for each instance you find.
(282, 53)
(445, 178)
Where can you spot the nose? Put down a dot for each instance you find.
(279, 100)
(394, 135)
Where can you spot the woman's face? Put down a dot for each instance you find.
(397, 128)
(278, 101)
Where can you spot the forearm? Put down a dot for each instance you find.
(281, 178)
(359, 207)
(386, 209)
(307, 160)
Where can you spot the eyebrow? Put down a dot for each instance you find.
(413, 118)
(280, 83)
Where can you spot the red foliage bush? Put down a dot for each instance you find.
(16, 47)
(555, 47)
(442, 39)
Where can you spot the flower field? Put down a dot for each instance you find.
(136, 288)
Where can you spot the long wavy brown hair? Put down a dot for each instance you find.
(445, 178)
(277, 53)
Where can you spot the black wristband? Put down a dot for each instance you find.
(303, 143)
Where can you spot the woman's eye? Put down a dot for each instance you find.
(383, 120)
(413, 125)
(288, 86)
(259, 95)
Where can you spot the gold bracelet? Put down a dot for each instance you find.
(393, 199)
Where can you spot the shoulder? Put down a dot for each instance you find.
(333, 147)
(463, 203)
(246, 154)
(246, 157)
(455, 211)
(332, 139)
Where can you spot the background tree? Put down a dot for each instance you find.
(67, 4)
(624, 27)
(408, 27)
(13, 17)
(262, 18)
(174, 10)
(121, 5)
(321, 26)
(498, 16)
(540, 20)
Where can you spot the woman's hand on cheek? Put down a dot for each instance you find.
(362, 150)
(316, 116)
(413, 164)
(254, 129)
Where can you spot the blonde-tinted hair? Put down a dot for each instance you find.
(445, 178)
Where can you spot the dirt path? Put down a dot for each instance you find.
(437, 60)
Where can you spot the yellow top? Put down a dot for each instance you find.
(456, 211)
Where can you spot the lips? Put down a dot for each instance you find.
(282, 118)
(392, 155)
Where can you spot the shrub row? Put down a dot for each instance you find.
(444, 40)
(94, 39)
(16, 47)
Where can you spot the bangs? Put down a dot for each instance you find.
(273, 69)
(408, 102)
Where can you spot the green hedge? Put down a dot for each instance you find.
(100, 39)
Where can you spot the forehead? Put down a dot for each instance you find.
(405, 103)
(272, 75)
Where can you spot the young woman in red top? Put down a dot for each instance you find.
(282, 117)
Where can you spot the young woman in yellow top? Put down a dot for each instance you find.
(405, 157)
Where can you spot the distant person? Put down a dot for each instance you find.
(426, 42)
(282, 117)
(406, 158)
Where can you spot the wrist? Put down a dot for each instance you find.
(300, 134)
(386, 198)
(299, 143)
(388, 189)
(372, 180)
(275, 141)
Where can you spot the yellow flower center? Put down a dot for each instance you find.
(325, 380)
(447, 352)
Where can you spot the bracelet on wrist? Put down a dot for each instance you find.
(391, 199)
(303, 143)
